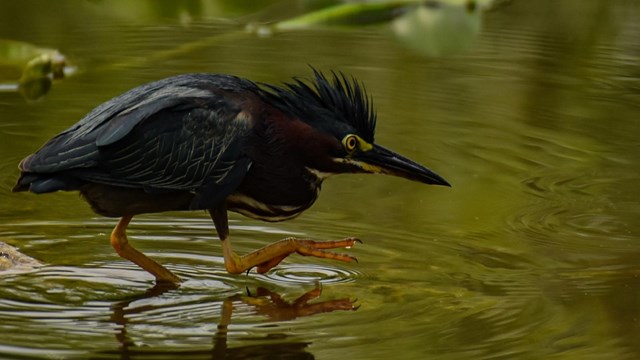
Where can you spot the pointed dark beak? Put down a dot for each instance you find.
(380, 160)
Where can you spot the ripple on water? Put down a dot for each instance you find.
(564, 184)
(571, 218)
(102, 295)
(570, 226)
(110, 303)
(310, 273)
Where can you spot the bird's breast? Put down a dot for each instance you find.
(257, 209)
(274, 196)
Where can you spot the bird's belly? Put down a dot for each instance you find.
(256, 209)
(114, 201)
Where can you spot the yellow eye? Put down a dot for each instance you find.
(350, 143)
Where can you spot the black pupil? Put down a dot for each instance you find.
(352, 143)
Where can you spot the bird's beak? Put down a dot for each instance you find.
(380, 160)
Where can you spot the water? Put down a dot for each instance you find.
(531, 254)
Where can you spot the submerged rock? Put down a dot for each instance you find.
(12, 259)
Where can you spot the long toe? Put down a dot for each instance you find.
(307, 247)
(271, 255)
(346, 243)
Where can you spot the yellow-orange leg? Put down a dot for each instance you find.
(271, 255)
(124, 249)
(279, 250)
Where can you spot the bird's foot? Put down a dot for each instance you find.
(306, 247)
(264, 259)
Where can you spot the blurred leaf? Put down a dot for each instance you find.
(436, 30)
(348, 14)
(431, 27)
(29, 69)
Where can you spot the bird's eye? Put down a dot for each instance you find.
(350, 143)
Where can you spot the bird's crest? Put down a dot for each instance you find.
(339, 98)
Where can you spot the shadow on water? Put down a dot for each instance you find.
(150, 325)
(264, 303)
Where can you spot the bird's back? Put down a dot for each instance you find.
(178, 134)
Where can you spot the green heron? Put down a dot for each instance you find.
(218, 142)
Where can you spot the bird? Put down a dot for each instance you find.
(219, 143)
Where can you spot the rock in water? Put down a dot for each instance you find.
(12, 259)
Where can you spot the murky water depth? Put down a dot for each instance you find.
(533, 253)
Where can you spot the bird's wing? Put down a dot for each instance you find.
(188, 147)
(173, 138)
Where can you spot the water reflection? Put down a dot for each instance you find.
(264, 302)
(435, 28)
(83, 306)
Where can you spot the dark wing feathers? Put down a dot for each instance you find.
(159, 137)
(168, 152)
(119, 126)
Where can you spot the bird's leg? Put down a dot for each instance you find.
(271, 255)
(124, 249)
(305, 247)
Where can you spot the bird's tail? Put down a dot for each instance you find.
(45, 183)
(23, 183)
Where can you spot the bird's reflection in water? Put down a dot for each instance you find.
(265, 302)
(271, 304)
